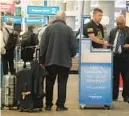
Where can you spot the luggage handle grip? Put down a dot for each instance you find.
(37, 53)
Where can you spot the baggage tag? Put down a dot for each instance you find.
(120, 50)
(24, 94)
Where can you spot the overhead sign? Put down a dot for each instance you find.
(43, 10)
(15, 20)
(30, 20)
(7, 7)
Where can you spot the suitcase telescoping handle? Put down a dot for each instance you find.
(37, 50)
(30, 47)
(18, 57)
(8, 90)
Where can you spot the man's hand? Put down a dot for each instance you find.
(3, 50)
(126, 46)
(106, 43)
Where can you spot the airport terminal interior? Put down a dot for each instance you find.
(37, 13)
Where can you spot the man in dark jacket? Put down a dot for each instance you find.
(119, 38)
(58, 46)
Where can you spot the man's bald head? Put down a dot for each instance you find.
(61, 15)
(120, 20)
(50, 21)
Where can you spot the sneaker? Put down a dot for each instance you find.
(61, 108)
(48, 108)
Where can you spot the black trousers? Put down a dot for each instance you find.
(120, 66)
(127, 81)
(8, 63)
(62, 74)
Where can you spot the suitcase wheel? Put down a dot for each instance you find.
(10, 108)
(26, 110)
(106, 107)
(21, 110)
(30, 110)
(18, 107)
(2, 107)
(40, 109)
(82, 107)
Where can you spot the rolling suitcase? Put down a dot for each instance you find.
(8, 93)
(30, 87)
(8, 90)
(25, 95)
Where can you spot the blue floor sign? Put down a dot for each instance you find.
(95, 82)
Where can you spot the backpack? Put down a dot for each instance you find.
(29, 39)
(12, 40)
(35, 40)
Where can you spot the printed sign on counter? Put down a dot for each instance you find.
(95, 83)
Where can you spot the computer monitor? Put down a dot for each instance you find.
(86, 19)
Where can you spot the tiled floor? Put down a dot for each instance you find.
(119, 108)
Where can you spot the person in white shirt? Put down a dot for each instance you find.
(8, 56)
(2, 44)
(2, 51)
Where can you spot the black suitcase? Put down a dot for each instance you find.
(27, 99)
(29, 90)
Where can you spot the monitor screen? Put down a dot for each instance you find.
(86, 19)
(127, 6)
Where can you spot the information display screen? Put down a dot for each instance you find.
(86, 19)
(127, 6)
